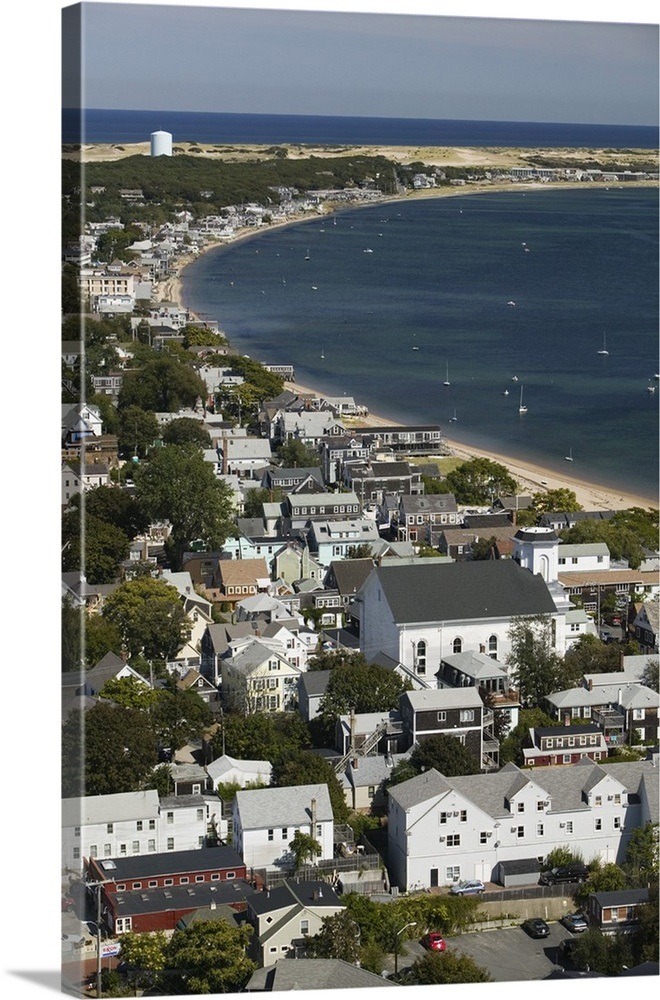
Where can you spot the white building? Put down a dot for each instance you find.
(108, 826)
(265, 820)
(444, 829)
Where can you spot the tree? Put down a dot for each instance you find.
(444, 753)
(261, 737)
(644, 940)
(641, 861)
(600, 953)
(536, 669)
(178, 485)
(117, 508)
(293, 454)
(300, 767)
(100, 637)
(304, 847)
(588, 655)
(71, 634)
(199, 336)
(98, 551)
(163, 385)
(449, 967)
(106, 750)
(186, 430)
(362, 551)
(144, 954)
(137, 431)
(130, 692)
(627, 534)
(209, 957)
(650, 674)
(602, 878)
(180, 716)
(479, 481)
(255, 500)
(339, 937)
(150, 618)
(331, 659)
(551, 501)
(357, 688)
(483, 548)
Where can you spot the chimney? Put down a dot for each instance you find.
(482, 648)
(591, 684)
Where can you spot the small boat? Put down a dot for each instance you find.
(604, 349)
(446, 381)
(506, 392)
(415, 348)
(322, 355)
(514, 378)
(452, 420)
(521, 407)
(367, 251)
(650, 388)
(511, 302)
(569, 457)
(307, 256)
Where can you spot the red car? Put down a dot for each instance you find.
(434, 941)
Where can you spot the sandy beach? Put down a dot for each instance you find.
(531, 478)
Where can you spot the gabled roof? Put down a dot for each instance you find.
(232, 572)
(430, 591)
(350, 574)
(430, 699)
(90, 809)
(260, 808)
(308, 974)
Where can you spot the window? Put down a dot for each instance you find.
(170, 843)
(136, 847)
(200, 814)
(76, 853)
(138, 825)
(569, 826)
(153, 883)
(467, 715)
(540, 805)
(151, 846)
(566, 758)
(184, 880)
(520, 832)
(420, 657)
(614, 913)
(123, 850)
(442, 716)
(110, 828)
(93, 850)
(304, 927)
(483, 837)
(285, 833)
(492, 644)
(230, 875)
(520, 807)
(319, 830)
(199, 878)
(454, 840)
(371, 791)
(443, 817)
(170, 817)
(107, 850)
(540, 829)
(453, 873)
(152, 824)
(122, 925)
(136, 885)
(598, 800)
(617, 822)
(457, 646)
(271, 834)
(463, 816)
(76, 831)
(598, 824)
(617, 799)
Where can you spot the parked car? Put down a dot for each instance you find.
(471, 887)
(536, 927)
(575, 872)
(575, 923)
(434, 941)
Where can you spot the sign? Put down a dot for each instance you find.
(110, 950)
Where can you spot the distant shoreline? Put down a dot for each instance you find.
(531, 477)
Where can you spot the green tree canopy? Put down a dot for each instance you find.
(339, 937)
(99, 552)
(293, 454)
(137, 431)
(255, 500)
(480, 481)
(179, 486)
(261, 736)
(150, 618)
(641, 861)
(145, 955)
(436, 969)
(106, 750)
(357, 688)
(304, 848)
(209, 956)
(130, 692)
(588, 655)
(101, 637)
(536, 669)
(180, 716)
(116, 507)
(446, 754)
(163, 385)
(551, 501)
(199, 336)
(186, 430)
(627, 534)
(650, 675)
(266, 383)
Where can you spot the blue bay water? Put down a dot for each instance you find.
(117, 126)
(580, 265)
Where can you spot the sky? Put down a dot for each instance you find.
(283, 61)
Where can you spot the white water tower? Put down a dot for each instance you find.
(161, 143)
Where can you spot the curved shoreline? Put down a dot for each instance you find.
(530, 476)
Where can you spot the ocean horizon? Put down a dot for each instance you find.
(106, 125)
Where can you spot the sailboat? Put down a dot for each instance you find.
(604, 348)
(521, 408)
(307, 256)
(569, 457)
(322, 355)
(452, 420)
(446, 381)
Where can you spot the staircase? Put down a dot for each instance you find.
(365, 748)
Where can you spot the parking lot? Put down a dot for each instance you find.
(510, 955)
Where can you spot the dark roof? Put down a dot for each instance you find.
(546, 520)
(622, 897)
(181, 897)
(432, 591)
(520, 866)
(487, 521)
(570, 730)
(221, 858)
(315, 681)
(308, 974)
(350, 574)
(292, 893)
